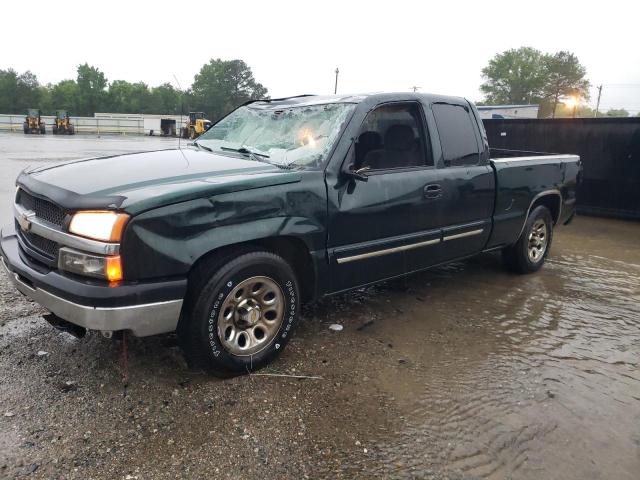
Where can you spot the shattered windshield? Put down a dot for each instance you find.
(299, 136)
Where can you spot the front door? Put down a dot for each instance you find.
(389, 224)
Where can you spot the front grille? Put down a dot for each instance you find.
(44, 209)
(41, 244)
(36, 247)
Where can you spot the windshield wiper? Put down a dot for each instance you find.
(244, 150)
(253, 155)
(202, 146)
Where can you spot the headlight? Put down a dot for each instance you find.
(106, 268)
(99, 225)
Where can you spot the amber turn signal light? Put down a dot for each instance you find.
(113, 269)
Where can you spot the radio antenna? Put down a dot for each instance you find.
(181, 108)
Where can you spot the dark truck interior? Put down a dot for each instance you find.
(392, 138)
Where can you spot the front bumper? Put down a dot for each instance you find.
(142, 308)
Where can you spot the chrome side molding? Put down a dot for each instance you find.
(470, 233)
(411, 246)
(387, 251)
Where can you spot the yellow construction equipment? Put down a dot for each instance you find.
(33, 123)
(62, 124)
(196, 125)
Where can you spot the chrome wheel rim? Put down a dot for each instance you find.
(537, 241)
(251, 316)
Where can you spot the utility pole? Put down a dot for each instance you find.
(415, 89)
(179, 131)
(598, 102)
(335, 90)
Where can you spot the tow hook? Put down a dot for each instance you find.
(64, 326)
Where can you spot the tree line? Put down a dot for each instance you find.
(513, 77)
(528, 76)
(219, 87)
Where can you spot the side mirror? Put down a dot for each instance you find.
(357, 173)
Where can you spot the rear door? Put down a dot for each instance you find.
(387, 225)
(468, 183)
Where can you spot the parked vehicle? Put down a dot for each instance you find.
(281, 202)
(195, 125)
(62, 124)
(33, 122)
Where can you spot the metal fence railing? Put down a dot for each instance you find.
(102, 123)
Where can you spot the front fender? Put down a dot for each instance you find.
(167, 241)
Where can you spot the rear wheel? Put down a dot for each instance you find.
(530, 251)
(25, 128)
(240, 314)
(192, 133)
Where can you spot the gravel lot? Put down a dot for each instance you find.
(462, 372)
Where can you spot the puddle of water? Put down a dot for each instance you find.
(521, 377)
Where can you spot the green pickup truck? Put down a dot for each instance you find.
(280, 202)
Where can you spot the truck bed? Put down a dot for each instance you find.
(524, 178)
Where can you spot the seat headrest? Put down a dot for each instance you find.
(399, 137)
(370, 140)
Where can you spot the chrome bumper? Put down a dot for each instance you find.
(141, 320)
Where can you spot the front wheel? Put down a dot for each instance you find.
(240, 314)
(530, 251)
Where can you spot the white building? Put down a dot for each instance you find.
(509, 111)
(152, 124)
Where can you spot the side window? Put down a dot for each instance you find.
(457, 135)
(392, 136)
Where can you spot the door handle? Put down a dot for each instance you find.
(432, 191)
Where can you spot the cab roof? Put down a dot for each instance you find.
(309, 100)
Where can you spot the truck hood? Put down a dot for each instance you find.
(141, 181)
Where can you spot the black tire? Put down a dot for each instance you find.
(25, 128)
(213, 283)
(54, 130)
(192, 134)
(517, 257)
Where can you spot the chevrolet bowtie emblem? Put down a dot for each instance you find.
(24, 219)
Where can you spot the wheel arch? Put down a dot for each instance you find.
(292, 249)
(552, 199)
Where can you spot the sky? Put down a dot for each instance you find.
(294, 47)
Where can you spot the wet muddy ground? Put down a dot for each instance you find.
(461, 372)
